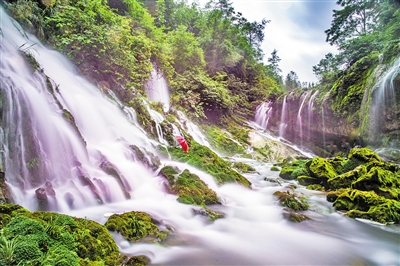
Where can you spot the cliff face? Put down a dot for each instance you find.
(362, 108)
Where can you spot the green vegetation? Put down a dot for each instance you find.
(361, 185)
(135, 226)
(211, 57)
(37, 238)
(205, 159)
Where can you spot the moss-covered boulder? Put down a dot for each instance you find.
(192, 190)
(293, 204)
(135, 226)
(46, 238)
(294, 169)
(367, 205)
(361, 185)
(205, 159)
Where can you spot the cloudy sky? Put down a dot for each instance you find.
(296, 31)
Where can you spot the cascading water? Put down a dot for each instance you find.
(384, 111)
(299, 121)
(68, 136)
(283, 124)
(157, 89)
(263, 114)
(310, 112)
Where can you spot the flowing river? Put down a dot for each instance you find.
(42, 148)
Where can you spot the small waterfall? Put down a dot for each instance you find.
(384, 113)
(263, 114)
(157, 89)
(299, 121)
(284, 114)
(310, 111)
(192, 129)
(323, 126)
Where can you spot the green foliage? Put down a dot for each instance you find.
(192, 190)
(135, 226)
(222, 141)
(205, 159)
(185, 50)
(45, 238)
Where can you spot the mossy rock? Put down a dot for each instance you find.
(367, 205)
(137, 261)
(291, 201)
(364, 155)
(383, 182)
(9, 211)
(307, 180)
(293, 216)
(192, 190)
(205, 159)
(291, 171)
(345, 180)
(135, 226)
(170, 173)
(243, 167)
(275, 168)
(210, 214)
(321, 168)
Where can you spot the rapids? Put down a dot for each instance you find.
(40, 146)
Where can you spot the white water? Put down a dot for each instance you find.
(310, 111)
(385, 101)
(283, 125)
(157, 89)
(299, 119)
(253, 231)
(263, 114)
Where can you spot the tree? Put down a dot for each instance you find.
(358, 17)
(292, 81)
(276, 71)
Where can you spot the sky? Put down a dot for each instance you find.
(296, 31)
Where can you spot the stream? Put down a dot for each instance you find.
(40, 147)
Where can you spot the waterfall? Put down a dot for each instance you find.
(299, 121)
(263, 114)
(283, 125)
(66, 140)
(384, 112)
(157, 89)
(310, 112)
(61, 133)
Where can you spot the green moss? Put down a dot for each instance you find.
(243, 168)
(192, 190)
(170, 173)
(364, 154)
(347, 179)
(222, 141)
(291, 201)
(368, 205)
(295, 216)
(205, 159)
(321, 168)
(316, 187)
(295, 169)
(275, 168)
(135, 226)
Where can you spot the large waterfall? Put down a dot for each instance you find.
(62, 135)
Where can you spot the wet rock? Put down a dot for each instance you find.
(112, 170)
(69, 199)
(49, 189)
(43, 202)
